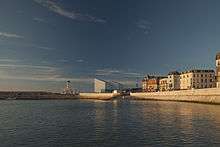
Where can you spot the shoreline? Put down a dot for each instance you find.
(39, 95)
(206, 96)
(203, 96)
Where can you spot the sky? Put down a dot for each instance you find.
(44, 43)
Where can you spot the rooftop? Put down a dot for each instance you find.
(197, 71)
(174, 73)
(217, 56)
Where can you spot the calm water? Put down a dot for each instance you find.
(115, 123)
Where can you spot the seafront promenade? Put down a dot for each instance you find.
(208, 95)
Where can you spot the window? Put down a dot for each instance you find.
(206, 80)
(205, 75)
(202, 80)
(210, 80)
(201, 75)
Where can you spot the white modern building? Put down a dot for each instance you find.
(106, 86)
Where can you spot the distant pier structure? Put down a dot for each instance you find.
(218, 70)
(68, 88)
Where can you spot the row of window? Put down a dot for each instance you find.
(197, 75)
(202, 86)
(198, 80)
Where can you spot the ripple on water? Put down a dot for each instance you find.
(112, 123)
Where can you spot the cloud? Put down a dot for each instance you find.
(6, 60)
(63, 60)
(54, 7)
(144, 25)
(107, 72)
(35, 73)
(80, 61)
(45, 48)
(117, 73)
(10, 35)
(38, 46)
(40, 20)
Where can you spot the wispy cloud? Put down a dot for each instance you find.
(45, 48)
(7, 60)
(54, 7)
(117, 73)
(35, 73)
(63, 60)
(40, 20)
(144, 25)
(80, 61)
(10, 35)
(107, 72)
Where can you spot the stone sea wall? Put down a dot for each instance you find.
(98, 96)
(209, 95)
(33, 95)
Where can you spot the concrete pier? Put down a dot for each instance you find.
(33, 95)
(37, 95)
(98, 96)
(209, 95)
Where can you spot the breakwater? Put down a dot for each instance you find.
(34, 95)
(99, 96)
(209, 95)
(38, 95)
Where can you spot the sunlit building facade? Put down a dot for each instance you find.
(197, 79)
(151, 83)
(164, 84)
(173, 81)
(218, 70)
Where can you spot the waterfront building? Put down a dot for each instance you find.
(106, 86)
(151, 83)
(173, 80)
(197, 79)
(164, 84)
(218, 70)
(144, 84)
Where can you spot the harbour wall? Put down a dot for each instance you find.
(98, 96)
(38, 95)
(33, 95)
(209, 95)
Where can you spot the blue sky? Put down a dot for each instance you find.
(43, 43)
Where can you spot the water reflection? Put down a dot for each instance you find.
(187, 122)
(108, 123)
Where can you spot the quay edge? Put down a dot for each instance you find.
(209, 96)
(99, 96)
